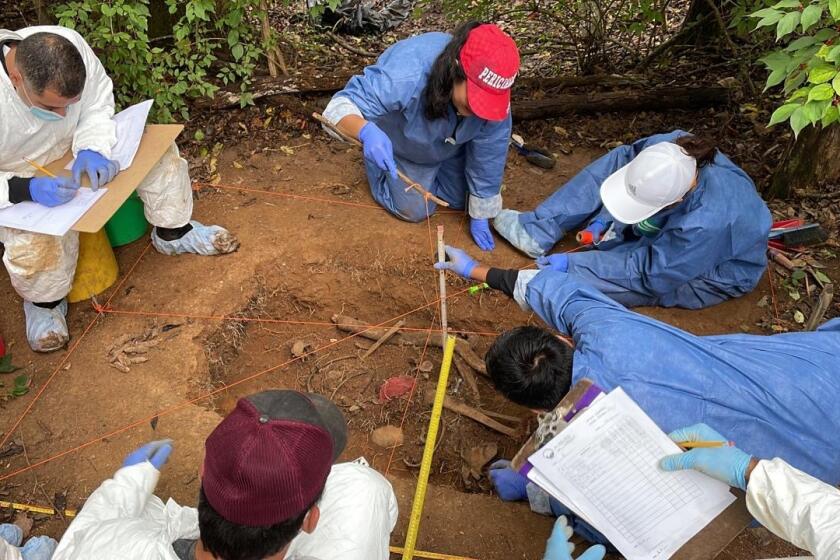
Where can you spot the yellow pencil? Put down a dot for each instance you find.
(40, 168)
(696, 444)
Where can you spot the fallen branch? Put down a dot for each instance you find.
(817, 195)
(462, 347)
(564, 82)
(412, 184)
(353, 49)
(294, 85)
(823, 303)
(455, 405)
(659, 99)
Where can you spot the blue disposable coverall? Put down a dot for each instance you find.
(773, 395)
(710, 248)
(459, 159)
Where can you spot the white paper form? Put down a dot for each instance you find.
(130, 125)
(31, 216)
(606, 464)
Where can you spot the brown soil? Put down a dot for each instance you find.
(301, 261)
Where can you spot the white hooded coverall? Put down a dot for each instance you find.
(796, 507)
(124, 519)
(41, 267)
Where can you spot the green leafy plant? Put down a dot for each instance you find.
(807, 66)
(209, 41)
(597, 33)
(21, 386)
(6, 365)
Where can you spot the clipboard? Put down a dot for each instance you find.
(705, 545)
(155, 141)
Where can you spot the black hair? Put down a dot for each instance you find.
(701, 149)
(446, 72)
(531, 367)
(48, 60)
(230, 541)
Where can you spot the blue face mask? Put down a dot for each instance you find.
(45, 115)
(40, 113)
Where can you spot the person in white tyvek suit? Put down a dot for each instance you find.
(791, 504)
(270, 489)
(55, 96)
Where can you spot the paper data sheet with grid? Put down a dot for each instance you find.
(605, 467)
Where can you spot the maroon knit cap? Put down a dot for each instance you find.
(269, 459)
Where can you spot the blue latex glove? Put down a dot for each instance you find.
(509, 484)
(559, 547)
(39, 548)
(459, 262)
(378, 148)
(100, 169)
(557, 261)
(156, 452)
(52, 191)
(596, 228)
(480, 230)
(727, 464)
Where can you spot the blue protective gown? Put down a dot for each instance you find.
(775, 396)
(459, 159)
(710, 248)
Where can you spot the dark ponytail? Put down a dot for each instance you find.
(446, 72)
(701, 149)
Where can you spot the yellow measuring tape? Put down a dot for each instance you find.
(409, 551)
(72, 513)
(428, 452)
(35, 509)
(430, 555)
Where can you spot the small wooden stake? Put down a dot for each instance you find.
(444, 325)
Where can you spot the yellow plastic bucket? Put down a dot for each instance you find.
(96, 269)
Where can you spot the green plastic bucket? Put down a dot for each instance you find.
(128, 224)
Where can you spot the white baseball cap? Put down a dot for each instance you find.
(658, 177)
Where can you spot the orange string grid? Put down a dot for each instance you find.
(198, 185)
(69, 353)
(187, 402)
(107, 309)
(173, 315)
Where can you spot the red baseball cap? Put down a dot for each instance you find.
(269, 459)
(491, 61)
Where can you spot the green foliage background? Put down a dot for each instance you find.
(808, 66)
(214, 42)
(174, 68)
